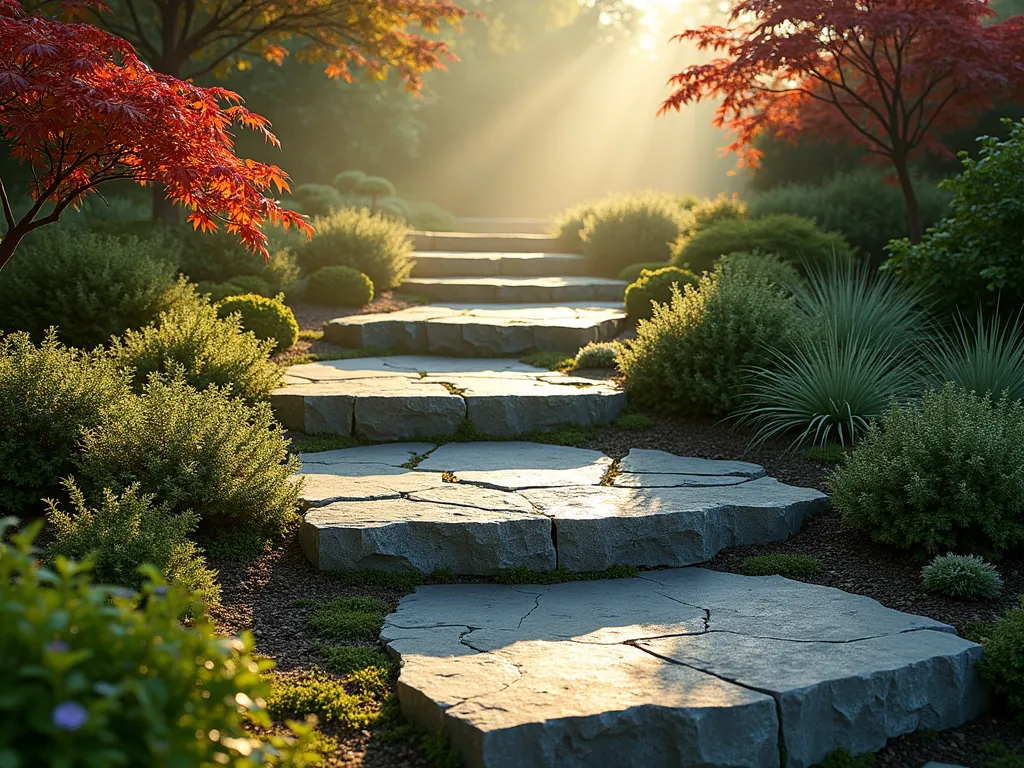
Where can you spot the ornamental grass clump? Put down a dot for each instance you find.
(985, 357)
(945, 473)
(962, 577)
(692, 354)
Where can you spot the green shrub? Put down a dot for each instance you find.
(790, 566)
(346, 181)
(48, 395)
(986, 358)
(90, 286)
(793, 239)
(569, 225)
(375, 187)
(218, 257)
(762, 265)
(707, 213)
(655, 286)
(973, 255)
(603, 354)
(93, 676)
(632, 273)
(237, 286)
(962, 577)
(127, 531)
(209, 351)
(945, 474)
(1002, 665)
(265, 318)
(377, 246)
(349, 618)
(692, 355)
(200, 450)
(318, 199)
(339, 287)
(627, 230)
(861, 205)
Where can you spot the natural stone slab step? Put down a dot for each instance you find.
(489, 290)
(476, 242)
(586, 525)
(408, 397)
(490, 264)
(685, 667)
(492, 330)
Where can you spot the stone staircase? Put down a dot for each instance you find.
(498, 296)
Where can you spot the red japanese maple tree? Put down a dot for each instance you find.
(890, 75)
(80, 109)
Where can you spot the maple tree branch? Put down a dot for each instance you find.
(922, 130)
(8, 213)
(144, 42)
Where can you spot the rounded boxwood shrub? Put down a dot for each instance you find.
(655, 285)
(793, 239)
(195, 450)
(346, 181)
(706, 213)
(48, 395)
(265, 318)
(127, 531)
(962, 577)
(339, 287)
(944, 474)
(318, 199)
(632, 273)
(119, 680)
(90, 286)
(377, 246)
(628, 230)
(693, 353)
(603, 354)
(208, 351)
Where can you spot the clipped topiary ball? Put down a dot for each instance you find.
(598, 355)
(339, 287)
(346, 181)
(962, 577)
(266, 318)
(632, 273)
(656, 286)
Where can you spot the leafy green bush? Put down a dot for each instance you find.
(793, 239)
(632, 273)
(963, 577)
(196, 450)
(90, 286)
(208, 350)
(377, 246)
(127, 531)
(1002, 665)
(655, 286)
(625, 230)
(945, 474)
(263, 317)
(116, 680)
(861, 205)
(603, 354)
(709, 212)
(692, 355)
(48, 395)
(318, 199)
(339, 287)
(375, 187)
(988, 357)
(973, 255)
(218, 257)
(790, 566)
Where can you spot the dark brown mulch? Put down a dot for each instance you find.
(311, 317)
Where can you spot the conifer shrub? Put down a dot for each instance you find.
(265, 318)
(339, 287)
(377, 246)
(962, 577)
(203, 451)
(945, 474)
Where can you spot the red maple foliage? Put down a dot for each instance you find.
(80, 109)
(890, 75)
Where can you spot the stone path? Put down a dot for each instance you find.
(685, 667)
(408, 397)
(491, 264)
(489, 290)
(475, 508)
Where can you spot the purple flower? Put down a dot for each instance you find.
(160, 591)
(57, 646)
(69, 716)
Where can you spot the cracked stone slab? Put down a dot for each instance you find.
(643, 460)
(402, 535)
(458, 495)
(392, 454)
(673, 671)
(492, 289)
(599, 527)
(652, 480)
(327, 483)
(492, 264)
(514, 465)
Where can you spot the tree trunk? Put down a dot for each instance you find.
(8, 246)
(915, 224)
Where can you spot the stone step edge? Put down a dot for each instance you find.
(510, 242)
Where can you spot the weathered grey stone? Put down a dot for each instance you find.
(642, 460)
(555, 675)
(393, 454)
(516, 289)
(463, 495)
(650, 480)
(603, 526)
(327, 483)
(515, 465)
(432, 410)
(399, 534)
(489, 264)
(315, 408)
(515, 408)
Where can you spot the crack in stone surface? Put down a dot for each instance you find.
(536, 605)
